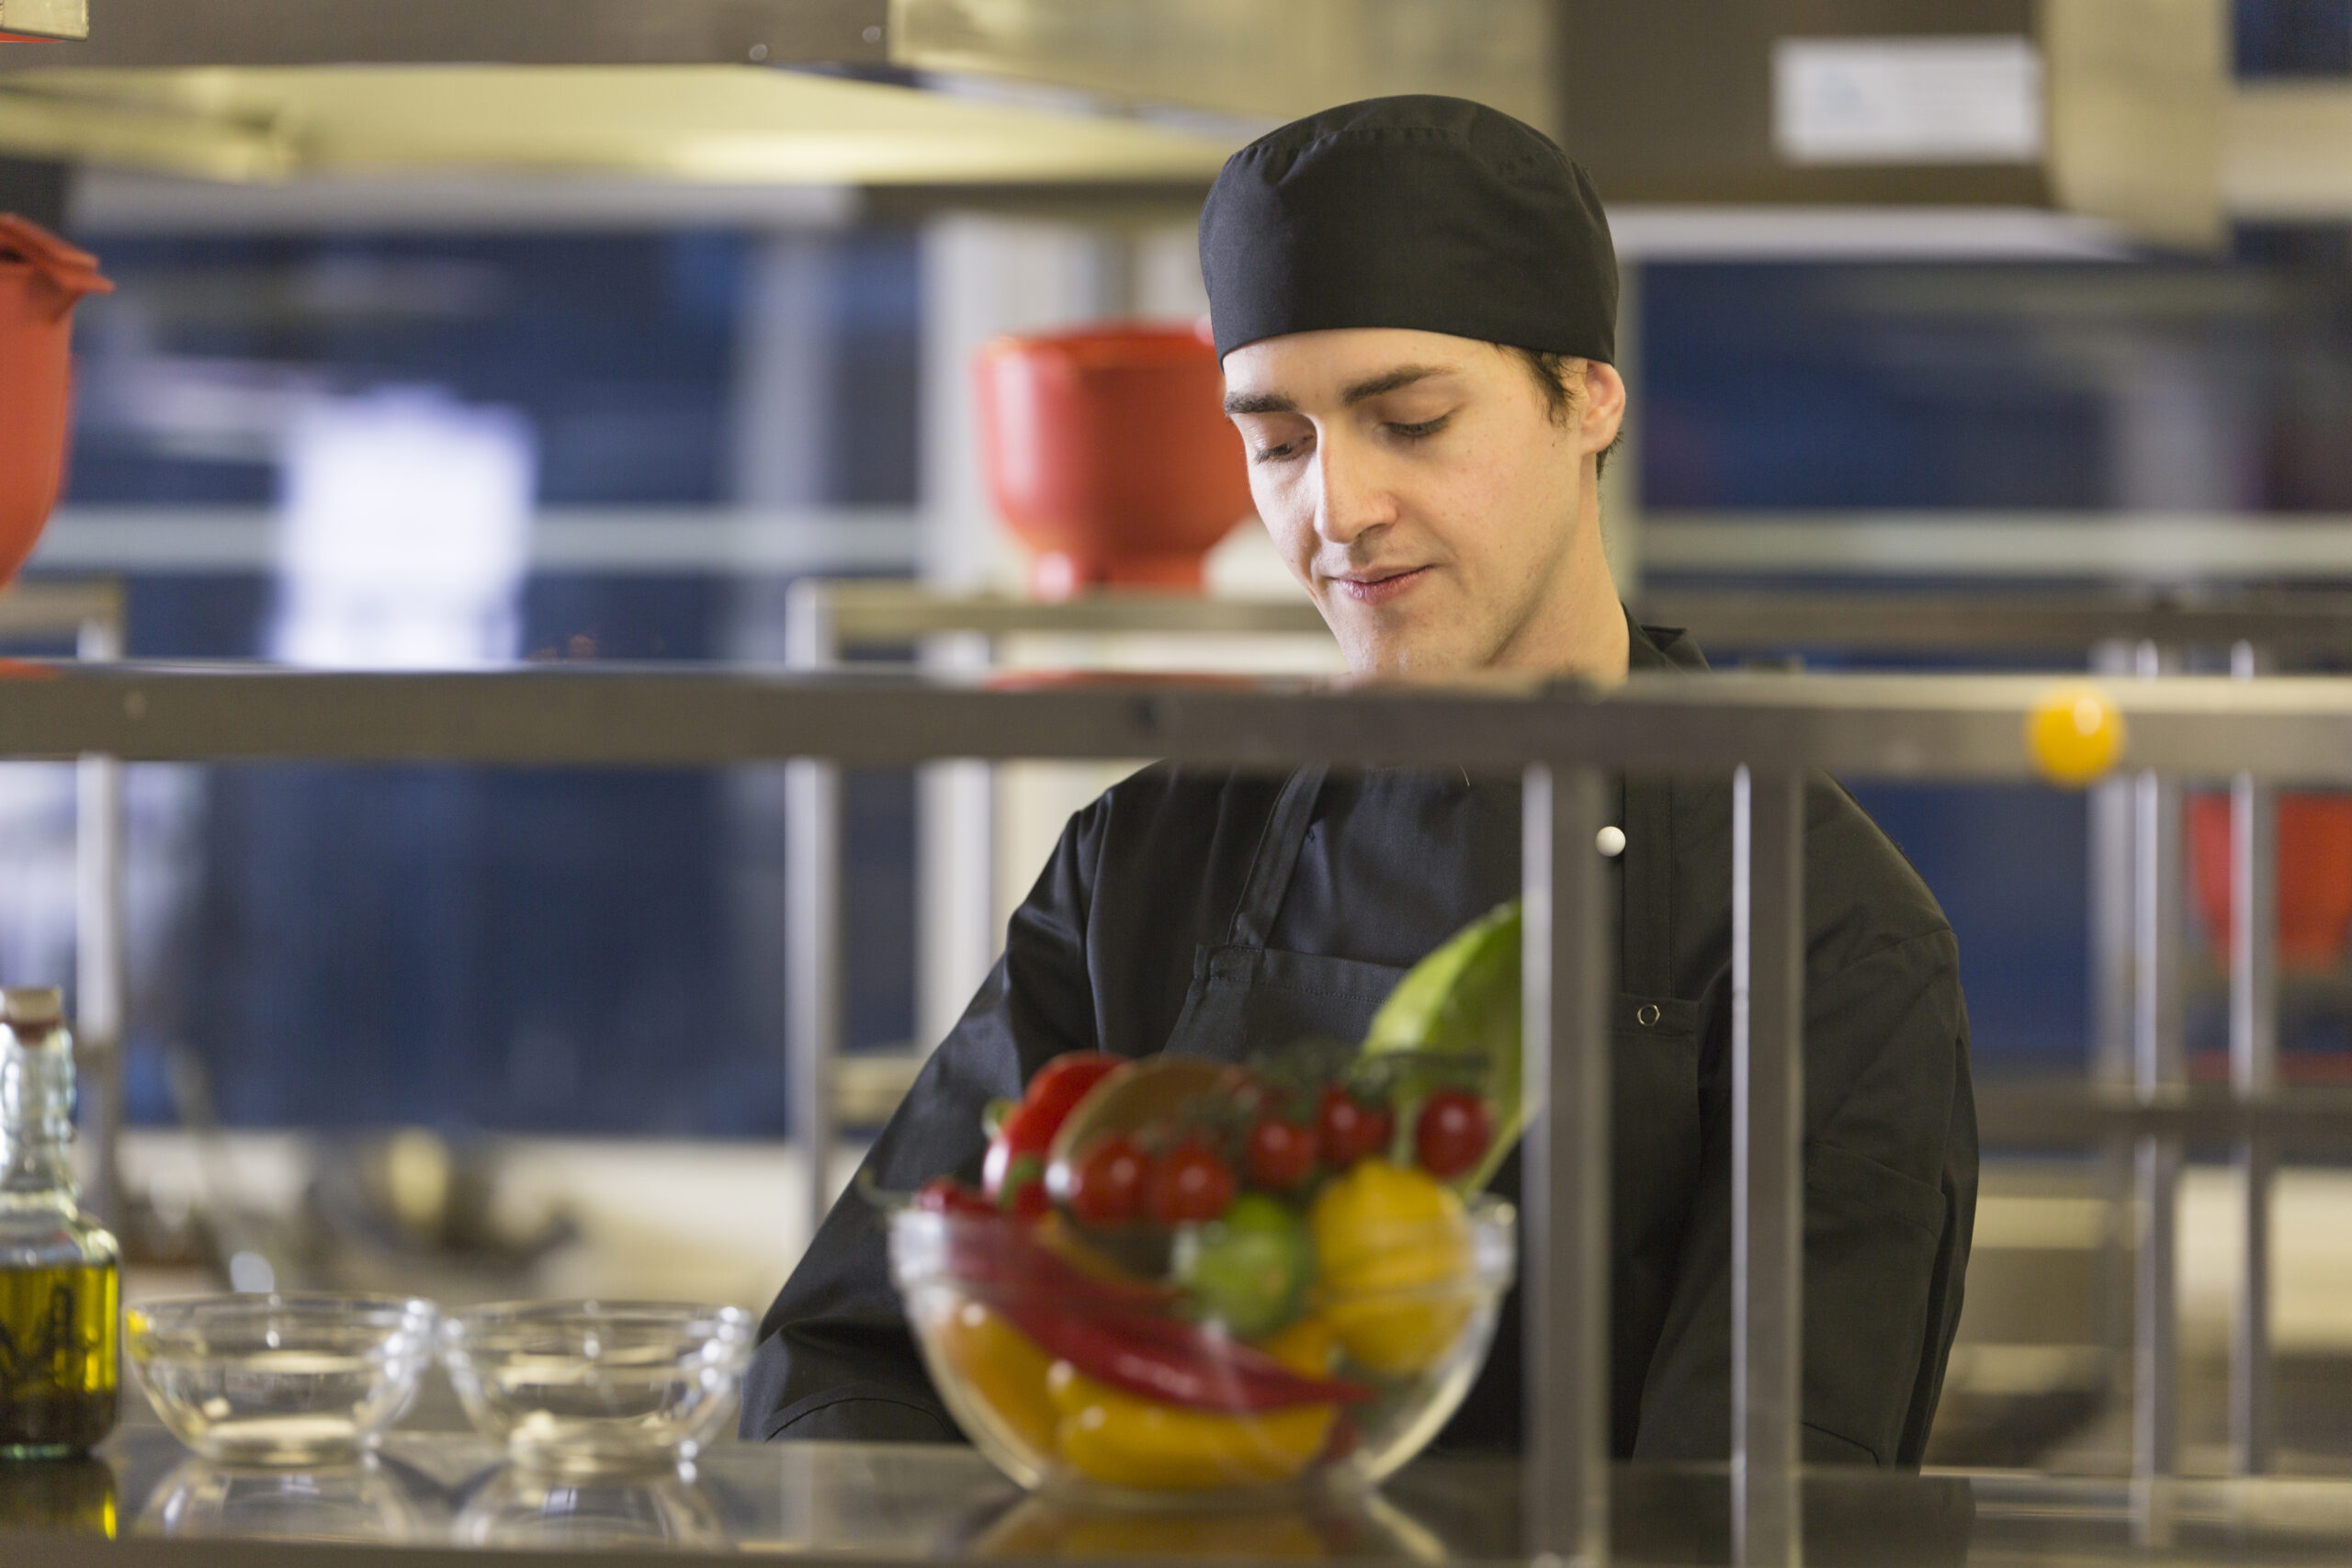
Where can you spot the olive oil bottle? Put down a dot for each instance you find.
(60, 1272)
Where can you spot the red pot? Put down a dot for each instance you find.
(1108, 453)
(41, 278)
(2314, 876)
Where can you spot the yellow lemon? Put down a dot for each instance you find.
(2075, 734)
(1395, 1248)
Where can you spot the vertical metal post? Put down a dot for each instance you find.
(958, 933)
(2111, 873)
(812, 975)
(1767, 1165)
(1567, 981)
(101, 966)
(2253, 1075)
(2112, 869)
(2158, 1065)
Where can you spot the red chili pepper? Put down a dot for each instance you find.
(997, 1255)
(1161, 1358)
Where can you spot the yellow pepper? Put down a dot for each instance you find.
(1003, 1368)
(1390, 1239)
(1122, 1440)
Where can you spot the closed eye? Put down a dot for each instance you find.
(1425, 428)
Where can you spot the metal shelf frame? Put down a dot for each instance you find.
(827, 618)
(92, 615)
(1767, 730)
(2136, 868)
(2139, 899)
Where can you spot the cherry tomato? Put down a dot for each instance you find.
(1351, 1130)
(946, 1195)
(1030, 1126)
(1106, 1184)
(1191, 1185)
(1280, 1153)
(1022, 1137)
(1452, 1135)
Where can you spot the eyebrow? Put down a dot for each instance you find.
(1372, 387)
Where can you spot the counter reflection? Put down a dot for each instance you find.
(1307, 1527)
(372, 1501)
(518, 1507)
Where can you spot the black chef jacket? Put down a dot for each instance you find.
(1218, 912)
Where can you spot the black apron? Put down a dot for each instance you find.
(1246, 996)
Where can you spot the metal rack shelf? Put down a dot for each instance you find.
(1562, 738)
(2286, 728)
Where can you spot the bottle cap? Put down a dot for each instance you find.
(37, 1006)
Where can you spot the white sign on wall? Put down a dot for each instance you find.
(1907, 100)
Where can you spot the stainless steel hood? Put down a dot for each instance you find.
(697, 124)
(2134, 117)
(167, 34)
(680, 91)
(45, 19)
(2120, 106)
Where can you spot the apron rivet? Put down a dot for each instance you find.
(1609, 841)
(1647, 1015)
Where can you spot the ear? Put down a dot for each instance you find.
(1603, 406)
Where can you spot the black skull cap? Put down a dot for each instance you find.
(1419, 211)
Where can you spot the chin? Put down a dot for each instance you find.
(1398, 659)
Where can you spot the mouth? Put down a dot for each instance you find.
(1380, 586)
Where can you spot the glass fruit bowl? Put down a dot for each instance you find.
(590, 1387)
(1074, 1374)
(269, 1380)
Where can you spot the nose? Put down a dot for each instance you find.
(1354, 498)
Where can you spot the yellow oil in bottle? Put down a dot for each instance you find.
(59, 1358)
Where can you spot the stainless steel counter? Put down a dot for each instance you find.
(446, 1497)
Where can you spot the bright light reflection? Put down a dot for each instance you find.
(404, 533)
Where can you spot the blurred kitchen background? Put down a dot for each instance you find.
(375, 393)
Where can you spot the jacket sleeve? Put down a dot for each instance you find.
(1890, 1195)
(835, 1358)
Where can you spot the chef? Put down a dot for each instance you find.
(1415, 299)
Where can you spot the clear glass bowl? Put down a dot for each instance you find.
(1403, 1328)
(265, 1379)
(591, 1386)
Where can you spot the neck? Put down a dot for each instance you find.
(35, 1117)
(1579, 628)
(35, 1174)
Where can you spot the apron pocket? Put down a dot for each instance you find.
(1249, 999)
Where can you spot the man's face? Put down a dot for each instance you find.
(1419, 487)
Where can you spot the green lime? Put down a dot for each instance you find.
(1249, 1270)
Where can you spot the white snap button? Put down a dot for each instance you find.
(1609, 841)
